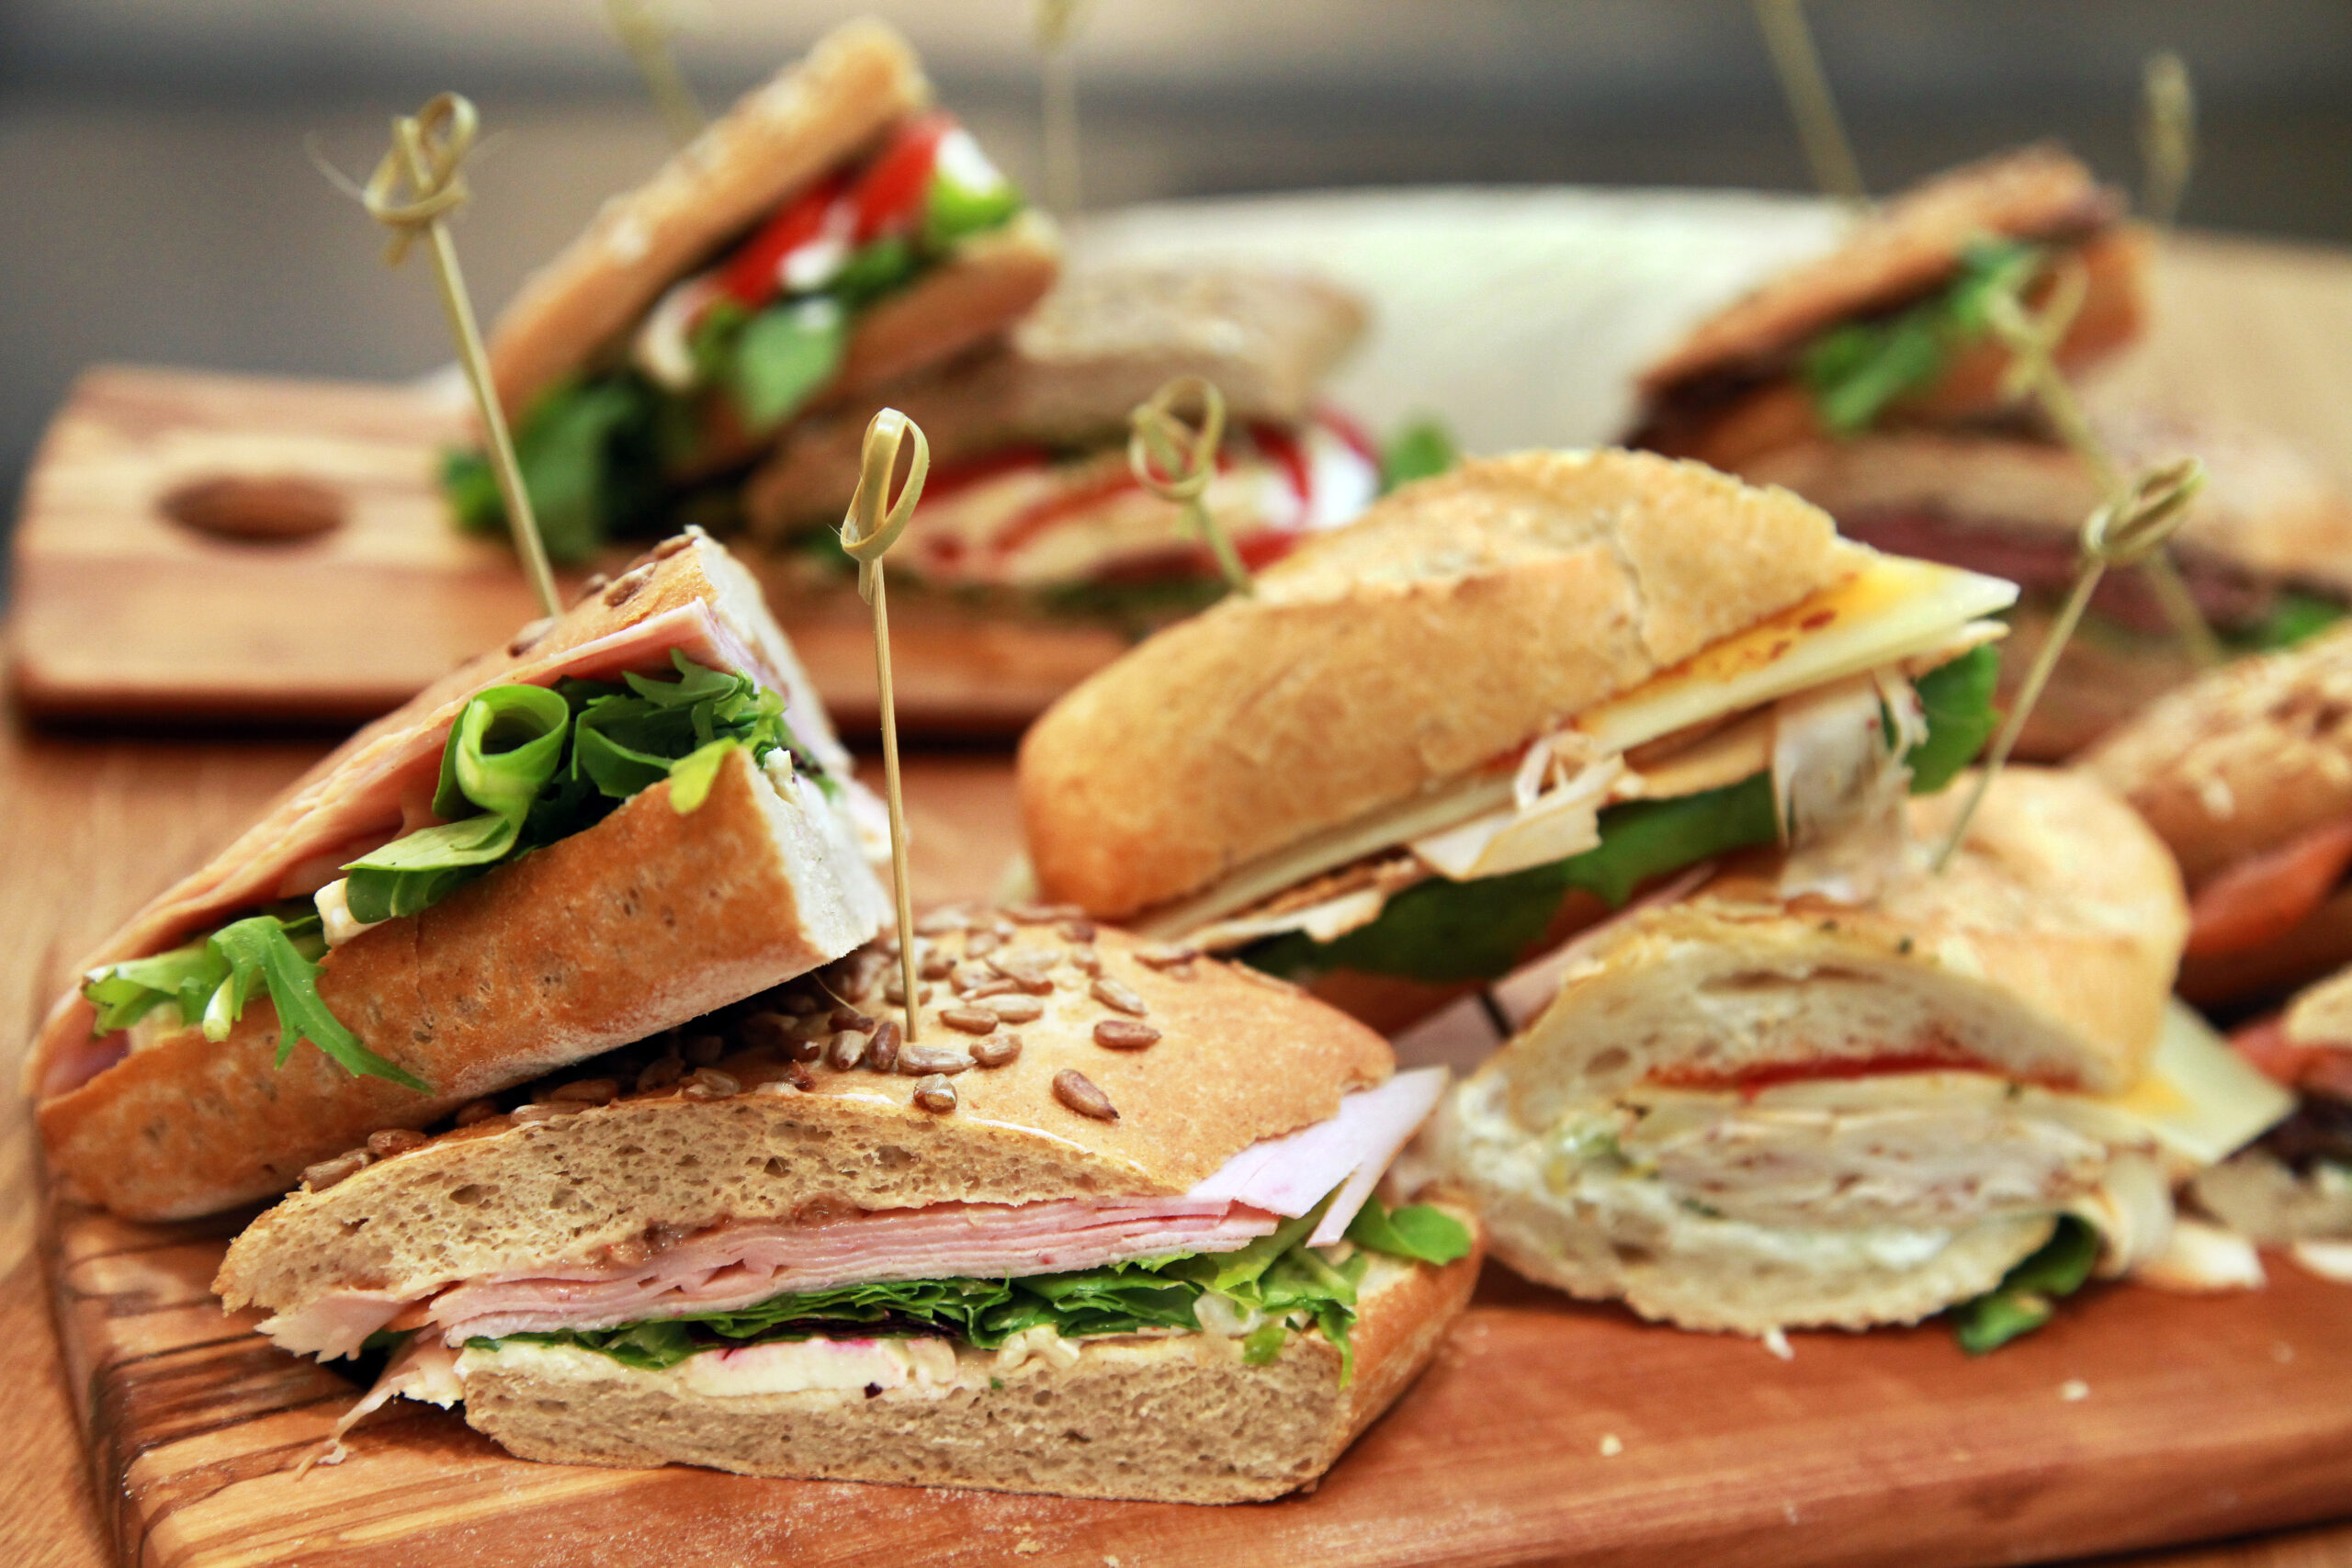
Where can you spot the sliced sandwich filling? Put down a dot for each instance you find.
(1805, 730)
(2294, 1183)
(730, 354)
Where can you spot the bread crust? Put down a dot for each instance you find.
(1909, 247)
(2044, 952)
(2241, 760)
(984, 284)
(1175, 1420)
(1454, 621)
(1100, 343)
(646, 919)
(858, 80)
(1239, 1060)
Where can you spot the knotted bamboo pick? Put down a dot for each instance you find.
(1057, 24)
(645, 27)
(2033, 342)
(418, 183)
(2124, 531)
(1176, 462)
(2167, 135)
(873, 525)
(1811, 103)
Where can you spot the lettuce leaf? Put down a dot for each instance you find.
(2028, 1295)
(785, 355)
(1445, 932)
(1855, 371)
(2293, 617)
(211, 981)
(1419, 450)
(1297, 1287)
(587, 452)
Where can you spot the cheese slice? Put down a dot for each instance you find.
(2199, 1100)
(1887, 609)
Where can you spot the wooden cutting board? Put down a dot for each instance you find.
(1544, 1432)
(123, 611)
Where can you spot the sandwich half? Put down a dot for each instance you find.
(1032, 505)
(1888, 330)
(2294, 1185)
(1746, 1112)
(1500, 702)
(2246, 774)
(830, 233)
(631, 815)
(1108, 1229)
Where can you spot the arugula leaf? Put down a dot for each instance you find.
(1419, 450)
(1957, 697)
(2293, 617)
(873, 270)
(1856, 370)
(1417, 1231)
(124, 993)
(586, 451)
(2028, 1295)
(783, 356)
(1442, 932)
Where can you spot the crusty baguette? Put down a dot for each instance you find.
(1102, 341)
(1173, 1419)
(646, 919)
(1241, 1058)
(2242, 759)
(989, 281)
(1451, 622)
(2044, 952)
(1908, 248)
(859, 81)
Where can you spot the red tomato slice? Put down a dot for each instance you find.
(891, 193)
(2321, 1068)
(2263, 898)
(749, 274)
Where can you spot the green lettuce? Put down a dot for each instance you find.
(2028, 1294)
(1294, 1285)
(1857, 369)
(210, 980)
(1443, 932)
(785, 355)
(2293, 617)
(1419, 450)
(589, 451)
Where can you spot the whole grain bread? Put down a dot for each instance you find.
(646, 919)
(1103, 341)
(1451, 622)
(858, 80)
(2242, 759)
(1178, 1418)
(1237, 1057)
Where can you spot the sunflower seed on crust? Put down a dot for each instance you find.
(1017, 1010)
(968, 1021)
(847, 1050)
(475, 1110)
(1076, 1090)
(996, 1051)
(1124, 1034)
(585, 1091)
(1116, 994)
(1166, 955)
(327, 1172)
(919, 1061)
(709, 1083)
(936, 1095)
(882, 1051)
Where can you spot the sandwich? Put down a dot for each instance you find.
(1745, 1111)
(2266, 551)
(1868, 381)
(1109, 1229)
(2246, 774)
(830, 233)
(1498, 704)
(2293, 1187)
(630, 815)
(1031, 503)
(1890, 331)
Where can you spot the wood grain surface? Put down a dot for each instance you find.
(2197, 1419)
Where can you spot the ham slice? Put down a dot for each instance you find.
(732, 1266)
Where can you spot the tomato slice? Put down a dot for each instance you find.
(749, 274)
(891, 195)
(1754, 1080)
(2322, 1068)
(2262, 898)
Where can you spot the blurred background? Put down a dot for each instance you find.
(157, 204)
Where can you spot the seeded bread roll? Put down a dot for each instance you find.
(1207, 1059)
(2241, 760)
(1451, 622)
(1102, 341)
(2043, 955)
(1910, 246)
(860, 80)
(1174, 1419)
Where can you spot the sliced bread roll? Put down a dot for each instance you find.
(1175, 1420)
(1743, 1112)
(1453, 622)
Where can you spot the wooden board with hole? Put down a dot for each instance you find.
(204, 547)
(1544, 1432)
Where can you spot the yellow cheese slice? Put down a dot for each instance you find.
(2200, 1099)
